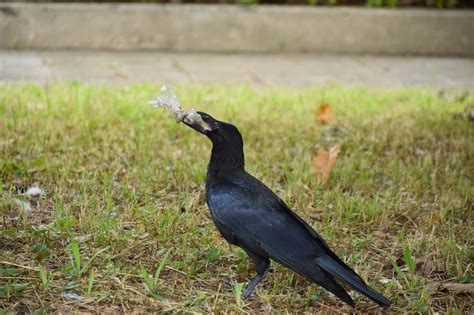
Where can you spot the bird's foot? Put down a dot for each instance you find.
(247, 292)
(226, 283)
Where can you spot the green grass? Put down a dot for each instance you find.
(123, 225)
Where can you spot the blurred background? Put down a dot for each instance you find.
(371, 3)
(381, 43)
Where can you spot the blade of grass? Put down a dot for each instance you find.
(76, 255)
(89, 262)
(162, 265)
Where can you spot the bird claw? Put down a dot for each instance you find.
(246, 293)
(226, 283)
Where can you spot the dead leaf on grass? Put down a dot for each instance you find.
(435, 218)
(323, 114)
(459, 287)
(316, 212)
(324, 161)
(428, 265)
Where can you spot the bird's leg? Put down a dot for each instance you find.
(262, 265)
(252, 284)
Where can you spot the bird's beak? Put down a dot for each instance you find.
(205, 127)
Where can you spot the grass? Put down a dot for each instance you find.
(123, 224)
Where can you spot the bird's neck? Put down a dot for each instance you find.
(226, 158)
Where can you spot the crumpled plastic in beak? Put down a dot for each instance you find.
(168, 99)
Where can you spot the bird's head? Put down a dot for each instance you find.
(227, 145)
(219, 132)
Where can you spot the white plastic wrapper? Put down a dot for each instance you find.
(191, 116)
(168, 99)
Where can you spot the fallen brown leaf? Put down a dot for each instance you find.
(324, 161)
(428, 266)
(323, 114)
(459, 287)
(316, 212)
(435, 218)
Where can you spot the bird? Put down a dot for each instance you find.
(251, 216)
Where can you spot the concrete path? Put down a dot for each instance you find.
(257, 70)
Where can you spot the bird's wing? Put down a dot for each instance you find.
(258, 224)
(319, 238)
(258, 218)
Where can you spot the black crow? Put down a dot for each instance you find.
(249, 215)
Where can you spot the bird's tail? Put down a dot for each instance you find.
(345, 274)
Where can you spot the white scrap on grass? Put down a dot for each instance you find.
(384, 280)
(168, 99)
(34, 191)
(5, 143)
(24, 205)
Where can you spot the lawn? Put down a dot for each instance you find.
(122, 223)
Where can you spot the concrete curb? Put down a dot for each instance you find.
(229, 28)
